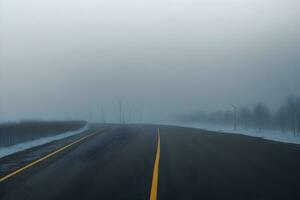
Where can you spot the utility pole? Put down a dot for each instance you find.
(103, 115)
(234, 116)
(120, 109)
(295, 123)
(141, 116)
(90, 115)
(67, 116)
(129, 120)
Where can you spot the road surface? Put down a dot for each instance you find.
(153, 162)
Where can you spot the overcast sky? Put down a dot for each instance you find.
(66, 58)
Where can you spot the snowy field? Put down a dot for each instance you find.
(5, 151)
(273, 135)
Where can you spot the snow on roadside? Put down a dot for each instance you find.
(5, 151)
(273, 135)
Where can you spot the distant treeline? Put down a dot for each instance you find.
(285, 119)
(14, 133)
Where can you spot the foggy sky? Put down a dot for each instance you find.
(63, 59)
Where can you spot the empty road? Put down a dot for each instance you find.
(139, 162)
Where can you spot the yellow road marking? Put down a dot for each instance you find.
(154, 187)
(45, 157)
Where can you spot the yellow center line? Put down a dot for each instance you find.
(154, 187)
(45, 157)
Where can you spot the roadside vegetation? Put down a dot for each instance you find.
(286, 118)
(15, 133)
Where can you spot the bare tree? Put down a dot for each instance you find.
(234, 116)
(286, 118)
(291, 112)
(262, 115)
(280, 118)
(245, 117)
(298, 115)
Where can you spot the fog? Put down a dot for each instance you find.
(64, 59)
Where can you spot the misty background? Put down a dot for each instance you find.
(64, 59)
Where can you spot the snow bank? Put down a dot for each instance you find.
(273, 135)
(5, 151)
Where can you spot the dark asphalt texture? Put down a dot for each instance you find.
(194, 164)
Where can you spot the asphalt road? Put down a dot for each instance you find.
(191, 164)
